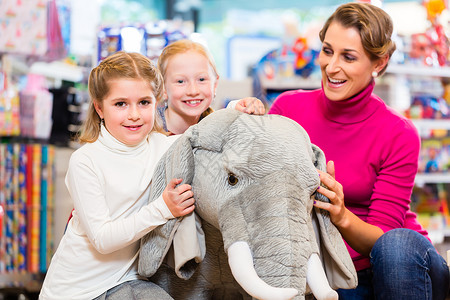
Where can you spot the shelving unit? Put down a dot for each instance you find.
(290, 83)
(432, 124)
(32, 191)
(403, 92)
(422, 71)
(268, 89)
(440, 177)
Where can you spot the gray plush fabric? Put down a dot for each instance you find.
(135, 290)
(178, 162)
(254, 179)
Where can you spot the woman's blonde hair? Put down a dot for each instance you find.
(182, 46)
(373, 24)
(117, 66)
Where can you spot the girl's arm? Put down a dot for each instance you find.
(108, 231)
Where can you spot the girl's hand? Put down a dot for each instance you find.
(335, 193)
(251, 105)
(179, 199)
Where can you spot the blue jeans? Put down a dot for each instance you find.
(404, 265)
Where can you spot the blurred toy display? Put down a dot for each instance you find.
(22, 37)
(56, 46)
(148, 39)
(289, 67)
(289, 61)
(431, 48)
(425, 106)
(36, 104)
(434, 155)
(155, 39)
(9, 107)
(430, 198)
(431, 203)
(109, 41)
(295, 58)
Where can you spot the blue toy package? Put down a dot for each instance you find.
(148, 39)
(109, 42)
(155, 39)
(425, 106)
(434, 155)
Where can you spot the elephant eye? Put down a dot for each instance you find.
(232, 179)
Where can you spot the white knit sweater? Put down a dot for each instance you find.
(108, 182)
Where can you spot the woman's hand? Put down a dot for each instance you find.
(251, 105)
(179, 199)
(359, 235)
(335, 193)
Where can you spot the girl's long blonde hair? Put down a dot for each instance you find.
(119, 65)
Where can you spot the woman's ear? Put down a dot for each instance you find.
(382, 62)
(98, 109)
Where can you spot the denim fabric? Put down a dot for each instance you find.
(364, 290)
(405, 265)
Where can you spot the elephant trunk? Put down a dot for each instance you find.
(275, 225)
(240, 260)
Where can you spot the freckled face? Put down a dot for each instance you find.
(190, 84)
(346, 68)
(128, 110)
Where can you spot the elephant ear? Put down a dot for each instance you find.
(319, 158)
(213, 131)
(184, 233)
(338, 264)
(320, 164)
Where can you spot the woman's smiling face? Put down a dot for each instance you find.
(346, 68)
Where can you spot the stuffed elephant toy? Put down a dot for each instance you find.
(254, 180)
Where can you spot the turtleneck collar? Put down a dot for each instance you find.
(117, 146)
(351, 110)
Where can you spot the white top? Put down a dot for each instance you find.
(109, 184)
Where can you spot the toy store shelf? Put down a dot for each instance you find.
(290, 83)
(437, 235)
(58, 70)
(419, 70)
(422, 178)
(431, 123)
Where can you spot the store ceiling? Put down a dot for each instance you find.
(211, 10)
(254, 4)
(215, 10)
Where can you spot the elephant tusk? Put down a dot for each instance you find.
(240, 260)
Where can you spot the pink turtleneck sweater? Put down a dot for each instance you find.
(375, 151)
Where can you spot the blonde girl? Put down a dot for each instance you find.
(190, 81)
(108, 179)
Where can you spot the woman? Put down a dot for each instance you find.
(375, 151)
